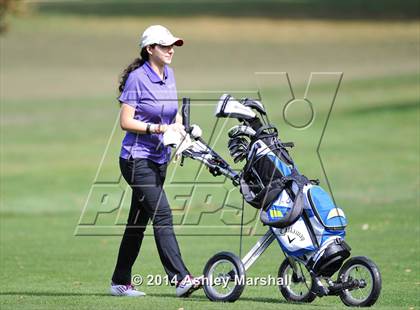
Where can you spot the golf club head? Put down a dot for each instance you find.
(241, 130)
(238, 148)
(237, 141)
(254, 104)
(239, 158)
(230, 107)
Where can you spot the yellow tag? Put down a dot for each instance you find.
(275, 213)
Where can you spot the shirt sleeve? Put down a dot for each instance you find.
(132, 93)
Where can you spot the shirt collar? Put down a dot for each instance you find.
(153, 76)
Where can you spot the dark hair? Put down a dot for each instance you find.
(138, 62)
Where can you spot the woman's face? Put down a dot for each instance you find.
(161, 54)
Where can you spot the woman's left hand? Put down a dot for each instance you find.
(177, 127)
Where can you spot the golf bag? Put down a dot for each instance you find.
(302, 214)
(299, 214)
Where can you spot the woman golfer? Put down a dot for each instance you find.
(149, 107)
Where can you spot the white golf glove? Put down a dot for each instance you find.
(171, 138)
(176, 140)
(196, 131)
(185, 144)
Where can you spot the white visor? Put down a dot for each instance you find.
(158, 34)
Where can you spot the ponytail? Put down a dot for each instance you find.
(138, 62)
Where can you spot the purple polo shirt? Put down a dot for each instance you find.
(156, 102)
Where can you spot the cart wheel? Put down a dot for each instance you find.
(368, 277)
(224, 277)
(293, 288)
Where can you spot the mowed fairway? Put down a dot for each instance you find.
(58, 80)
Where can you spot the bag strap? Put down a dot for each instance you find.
(291, 217)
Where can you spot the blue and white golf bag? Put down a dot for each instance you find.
(302, 215)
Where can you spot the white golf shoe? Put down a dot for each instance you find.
(188, 285)
(125, 290)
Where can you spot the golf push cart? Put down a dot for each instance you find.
(300, 216)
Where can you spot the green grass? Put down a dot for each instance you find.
(236, 8)
(57, 111)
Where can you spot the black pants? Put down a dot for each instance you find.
(148, 201)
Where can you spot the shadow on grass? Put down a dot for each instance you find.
(192, 298)
(204, 298)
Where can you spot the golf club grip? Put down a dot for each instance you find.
(186, 113)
